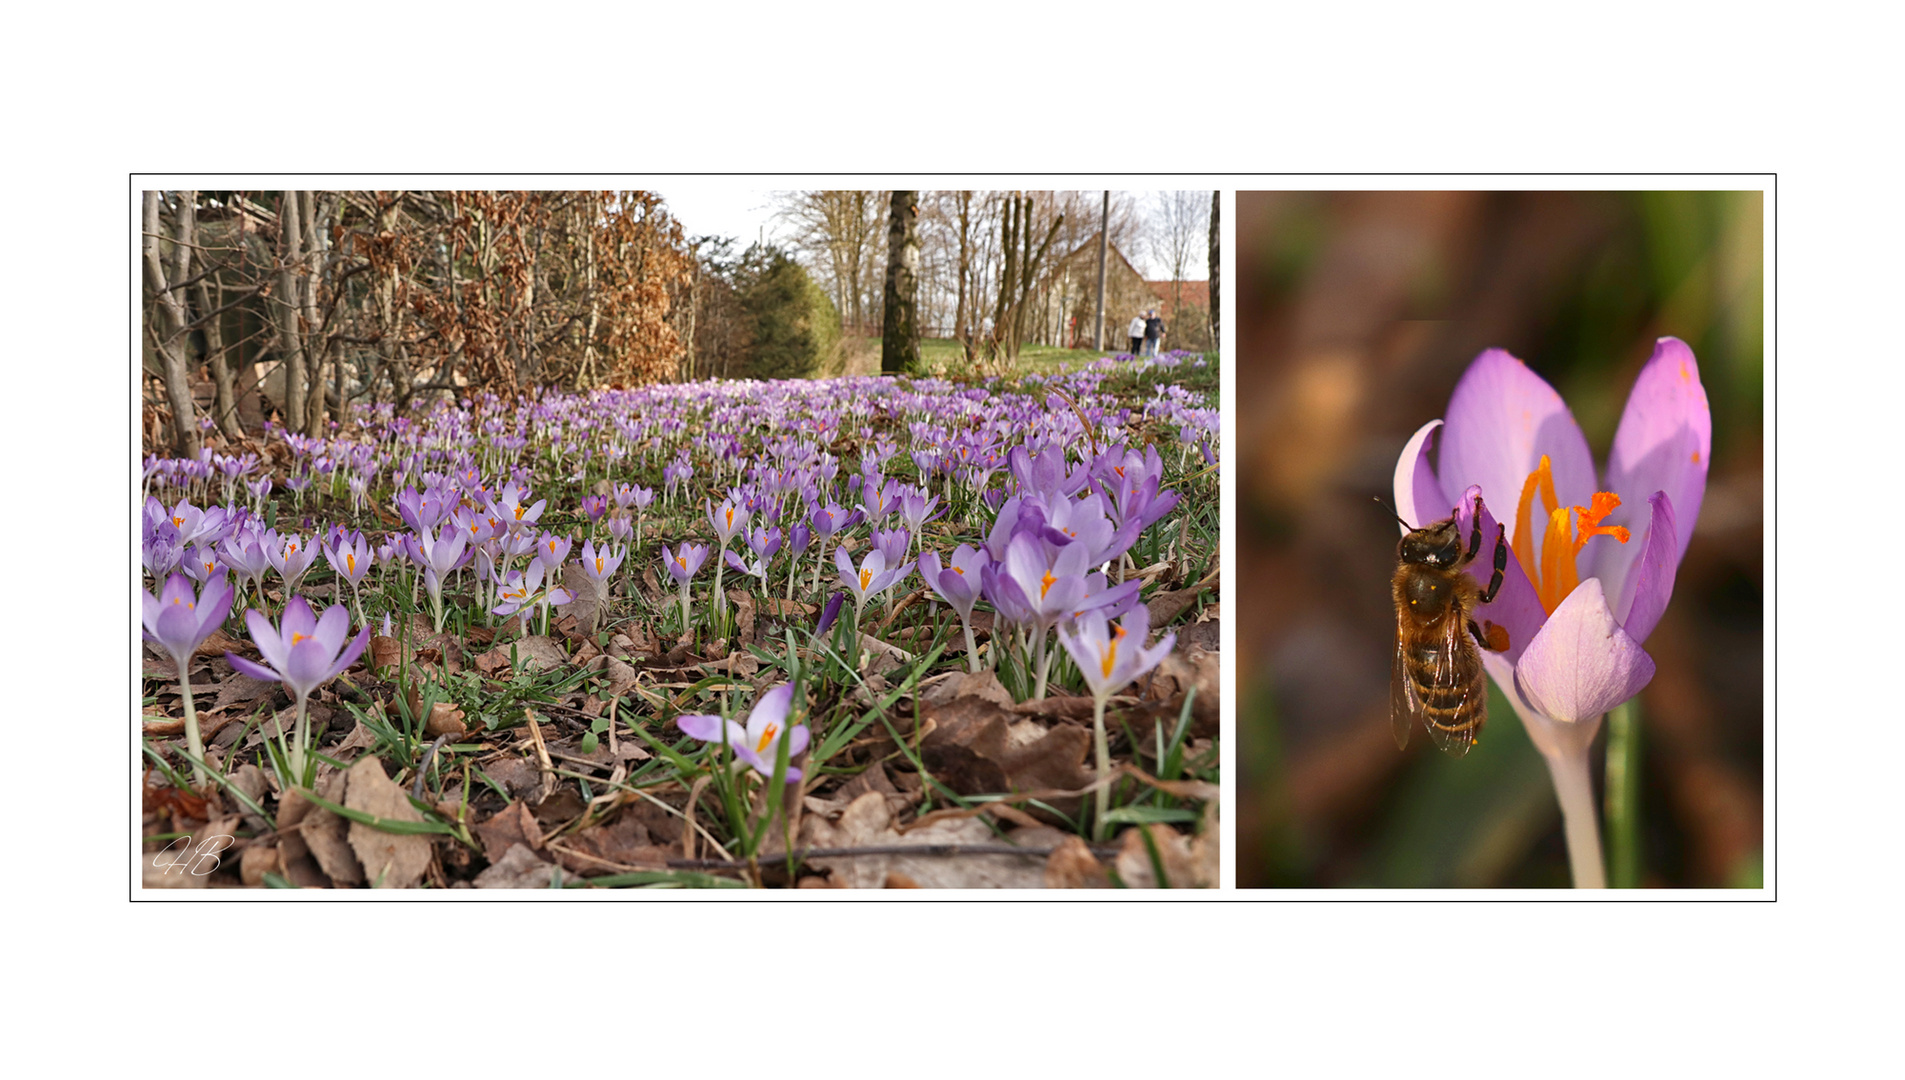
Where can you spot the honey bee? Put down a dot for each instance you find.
(1437, 675)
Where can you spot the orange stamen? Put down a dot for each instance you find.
(866, 578)
(767, 738)
(1568, 529)
(1045, 584)
(1110, 658)
(297, 637)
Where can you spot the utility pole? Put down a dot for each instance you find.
(1104, 239)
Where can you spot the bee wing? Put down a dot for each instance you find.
(1404, 705)
(1461, 689)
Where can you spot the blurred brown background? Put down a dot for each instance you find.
(1357, 312)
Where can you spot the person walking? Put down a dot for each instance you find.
(1136, 330)
(1153, 333)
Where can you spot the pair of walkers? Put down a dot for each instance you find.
(1146, 333)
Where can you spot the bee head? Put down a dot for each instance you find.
(1438, 545)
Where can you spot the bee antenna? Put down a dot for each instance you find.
(1392, 512)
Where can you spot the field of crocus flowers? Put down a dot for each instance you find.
(861, 632)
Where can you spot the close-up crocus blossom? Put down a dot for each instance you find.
(304, 652)
(755, 744)
(179, 622)
(1595, 553)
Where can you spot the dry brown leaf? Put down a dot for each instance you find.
(242, 690)
(867, 822)
(518, 869)
(511, 825)
(1181, 870)
(257, 861)
(326, 833)
(975, 747)
(445, 719)
(591, 598)
(1072, 866)
(390, 860)
(601, 849)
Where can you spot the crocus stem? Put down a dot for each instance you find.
(972, 647)
(1101, 748)
(1574, 787)
(299, 742)
(193, 743)
(1044, 665)
(1623, 797)
(720, 562)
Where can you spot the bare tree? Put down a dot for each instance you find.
(899, 338)
(163, 291)
(1181, 219)
(839, 233)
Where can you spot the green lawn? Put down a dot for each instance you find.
(942, 355)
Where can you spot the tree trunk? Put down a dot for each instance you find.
(1216, 262)
(290, 341)
(1104, 241)
(209, 293)
(170, 337)
(899, 337)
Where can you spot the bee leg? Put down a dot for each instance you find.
(1495, 639)
(1501, 560)
(1475, 536)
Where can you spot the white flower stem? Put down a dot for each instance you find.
(972, 646)
(192, 741)
(1574, 788)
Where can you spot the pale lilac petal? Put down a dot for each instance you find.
(307, 666)
(331, 628)
(770, 709)
(1649, 583)
(1665, 439)
(299, 618)
(215, 606)
(177, 630)
(699, 726)
(352, 652)
(255, 670)
(797, 741)
(1582, 663)
(1418, 495)
(266, 637)
(1502, 418)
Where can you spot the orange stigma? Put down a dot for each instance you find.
(1045, 584)
(1554, 574)
(1110, 658)
(297, 637)
(767, 738)
(866, 578)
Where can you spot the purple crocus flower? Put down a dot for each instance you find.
(1583, 592)
(831, 612)
(959, 585)
(1110, 655)
(290, 556)
(682, 564)
(599, 565)
(892, 543)
(179, 622)
(757, 743)
(552, 550)
(303, 653)
(870, 580)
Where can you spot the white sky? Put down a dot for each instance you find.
(707, 206)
